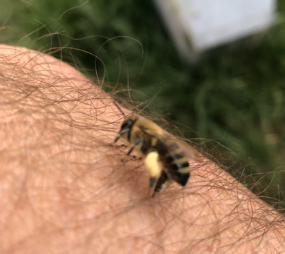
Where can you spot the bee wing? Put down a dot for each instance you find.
(188, 150)
(149, 131)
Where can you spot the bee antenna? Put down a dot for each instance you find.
(119, 108)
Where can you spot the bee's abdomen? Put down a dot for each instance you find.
(174, 161)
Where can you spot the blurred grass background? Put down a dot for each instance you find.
(235, 95)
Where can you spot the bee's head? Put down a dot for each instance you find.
(125, 127)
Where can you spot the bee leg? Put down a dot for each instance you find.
(162, 182)
(134, 145)
(132, 148)
(152, 181)
(153, 168)
(139, 157)
(166, 184)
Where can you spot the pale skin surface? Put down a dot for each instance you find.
(65, 189)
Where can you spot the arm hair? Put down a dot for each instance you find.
(65, 189)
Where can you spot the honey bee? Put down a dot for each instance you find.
(164, 160)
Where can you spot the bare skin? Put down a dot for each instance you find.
(65, 189)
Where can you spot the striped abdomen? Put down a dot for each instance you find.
(174, 161)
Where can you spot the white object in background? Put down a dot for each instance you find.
(196, 25)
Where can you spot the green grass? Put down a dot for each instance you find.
(235, 95)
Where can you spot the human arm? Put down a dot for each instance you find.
(64, 188)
